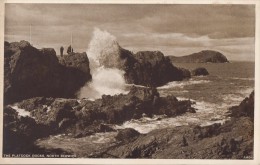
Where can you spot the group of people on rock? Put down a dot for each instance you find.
(69, 50)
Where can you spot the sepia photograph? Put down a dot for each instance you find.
(124, 81)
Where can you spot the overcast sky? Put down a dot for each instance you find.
(173, 29)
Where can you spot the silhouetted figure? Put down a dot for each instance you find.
(69, 50)
(61, 51)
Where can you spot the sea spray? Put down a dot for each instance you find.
(104, 53)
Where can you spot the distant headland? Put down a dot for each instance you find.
(201, 57)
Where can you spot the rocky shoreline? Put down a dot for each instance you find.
(84, 119)
(42, 114)
(232, 140)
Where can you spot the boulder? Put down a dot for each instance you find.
(199, 72)
(127, 134)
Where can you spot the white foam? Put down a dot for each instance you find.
(239, 78)
(236, 98)
(103, 52)
(206, 114)
(181, 84)
(105, 81)
(100, 138)
(21, 112)
(140, 86)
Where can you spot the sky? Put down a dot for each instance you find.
(172, 29)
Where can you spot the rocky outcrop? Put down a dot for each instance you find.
(20, 132)
(245, 108)
(150, 68)
(78, 61)
(199, 72)
(127, 134)
(201, 57)
(210, 142)
(29, 72)
(51, 116)
(107, 110)
(232, 140)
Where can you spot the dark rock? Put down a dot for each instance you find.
(170, 106)
(232, 140)
(20, 133)
(29, 72)
(35, 103)
(200, 57)
(88, 117)
(199, 72)
(245, 108)
(185, 73)
(206, 131)
(78, 61)
(106, 128)
(150, 68)
(65, 123)
(127, 134)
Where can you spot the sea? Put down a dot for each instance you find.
(226, 85)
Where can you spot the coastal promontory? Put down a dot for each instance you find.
(205, 56)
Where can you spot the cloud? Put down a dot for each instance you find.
(179, 44)
(174, 29)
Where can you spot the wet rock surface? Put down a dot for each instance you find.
(199, 72)
(82, 120)
(232, 140)
(109, 109)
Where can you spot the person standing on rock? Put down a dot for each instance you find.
(61, 51)
(69, 49)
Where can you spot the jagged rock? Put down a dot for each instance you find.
(245, 108)
(206, 131)
(232, 140)
(185, 73)
(30, 72)
(200, 57)
(199, 72)
(78, 61)
(150, 68)
(35, 103)
(106, 128)
(88, 117)
(127, 134)
(20, 133)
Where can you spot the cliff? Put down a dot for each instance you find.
(201, 57)
(30, 72)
